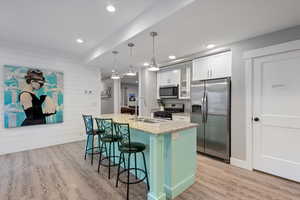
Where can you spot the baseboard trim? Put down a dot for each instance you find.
(239, 163)
(172, 192)
(17, 148)
(152, 197)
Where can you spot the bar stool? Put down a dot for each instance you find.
(90, 132)
(128, 147)
(108, 137)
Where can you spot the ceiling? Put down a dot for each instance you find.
(190, 29)
(56, 24)
(184, 26)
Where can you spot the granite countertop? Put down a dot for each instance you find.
(160, 127)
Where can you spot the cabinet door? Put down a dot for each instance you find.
(220, 65)
(184, 86)
(170, 77)
(201, 68)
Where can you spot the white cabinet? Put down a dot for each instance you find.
(178, 74)
(168, 78)
(211, 67)
(221, 65)
(185, 81)
(201, 69)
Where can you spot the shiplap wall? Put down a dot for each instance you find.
(77, 79)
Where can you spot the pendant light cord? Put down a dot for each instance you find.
(153, 47)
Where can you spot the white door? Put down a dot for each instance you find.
(276, 129)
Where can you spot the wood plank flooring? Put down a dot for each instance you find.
(60, 173)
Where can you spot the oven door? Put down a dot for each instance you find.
(168, 92)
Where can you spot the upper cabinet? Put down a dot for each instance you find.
(185, 81)
(176, 75)
(168, 77)
(212, 67)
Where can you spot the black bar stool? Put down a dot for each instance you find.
(128, 147)
(90, 132)
(108, 137)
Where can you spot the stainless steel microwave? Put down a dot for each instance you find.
(169, 92)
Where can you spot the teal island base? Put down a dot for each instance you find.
(171, 161)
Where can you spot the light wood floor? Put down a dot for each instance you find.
(60, 173)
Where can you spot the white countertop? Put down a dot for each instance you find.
(161, 127)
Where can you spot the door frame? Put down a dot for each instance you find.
(249, 57)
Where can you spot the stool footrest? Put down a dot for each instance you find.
(97, 152)
(112, 164)
(133, 182)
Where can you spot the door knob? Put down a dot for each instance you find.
(256, 119)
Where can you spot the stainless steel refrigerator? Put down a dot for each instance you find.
(210, 101)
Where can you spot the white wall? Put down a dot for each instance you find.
(77, 79)
(107, 104)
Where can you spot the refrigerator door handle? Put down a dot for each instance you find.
(203, 108)
(206, 107)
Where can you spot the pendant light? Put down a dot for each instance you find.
(114, 73)
(153, 65)
(130, 71)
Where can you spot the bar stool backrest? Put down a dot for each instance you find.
(105, 125)
(123, 130)
(88, 122)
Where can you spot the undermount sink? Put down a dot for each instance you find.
(147, 120)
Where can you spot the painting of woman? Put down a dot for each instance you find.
(36, 108)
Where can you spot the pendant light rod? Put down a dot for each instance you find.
(153, 35)
(153, 64)
(131, 45)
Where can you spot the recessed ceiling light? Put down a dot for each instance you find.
(172, 57)
(79, 40)
(210, 46)
(146, 64)
(110, 8)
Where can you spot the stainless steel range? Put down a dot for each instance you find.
(169, 108)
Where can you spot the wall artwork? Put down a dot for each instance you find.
(32, 96)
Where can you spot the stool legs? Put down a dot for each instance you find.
(128, 173)
(135, 164)
(86, 147)
(127, 169)
(100, 157)
(109, 150)
(119, 166)
(92, 150)
(146, 173)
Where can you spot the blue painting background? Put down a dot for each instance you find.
(14, 81)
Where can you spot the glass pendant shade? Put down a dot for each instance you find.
(131, 71)
(114, 74)
(153, 65)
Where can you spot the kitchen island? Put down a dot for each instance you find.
(170, 153)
